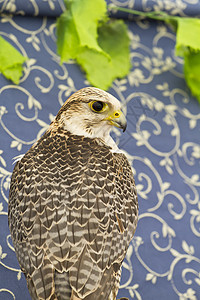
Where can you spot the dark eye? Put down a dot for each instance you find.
(97, 106)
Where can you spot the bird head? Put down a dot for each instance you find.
(91, 112)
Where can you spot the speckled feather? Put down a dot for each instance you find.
(72, 214)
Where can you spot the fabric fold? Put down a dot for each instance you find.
(54, 8)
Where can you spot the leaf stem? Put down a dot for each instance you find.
(157, 15)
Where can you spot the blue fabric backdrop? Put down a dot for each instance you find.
(162, 142)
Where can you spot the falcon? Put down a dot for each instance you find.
(72, 205)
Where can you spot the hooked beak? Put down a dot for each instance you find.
(118, 119)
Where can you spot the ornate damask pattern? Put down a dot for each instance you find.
(56, 7)
(162, 143)
(172, 7)
(50, 8)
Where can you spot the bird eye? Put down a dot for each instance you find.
(98, 106)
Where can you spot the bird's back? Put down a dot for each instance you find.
(72, 213)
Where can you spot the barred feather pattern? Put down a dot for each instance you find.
(72, 214)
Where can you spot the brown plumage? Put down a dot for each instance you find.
(73, 206)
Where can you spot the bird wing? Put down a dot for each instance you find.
(72, 208)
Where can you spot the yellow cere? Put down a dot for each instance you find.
(114, 115)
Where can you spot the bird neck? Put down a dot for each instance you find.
(100, 134)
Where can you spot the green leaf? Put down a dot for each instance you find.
(100, 47)
(101, 71)
(77, 27)
(11, 61)
(89, 13)
(188, 46)
(68, 43)
(187, 35)
(192, 71)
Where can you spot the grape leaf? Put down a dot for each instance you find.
(100, 46)
(86, 15)
(187, 35)
(11, 61)
(77, 27)
(68, 43)
(188, 46)
(101, 70)
(192, 71)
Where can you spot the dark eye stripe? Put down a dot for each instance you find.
(97, 106)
